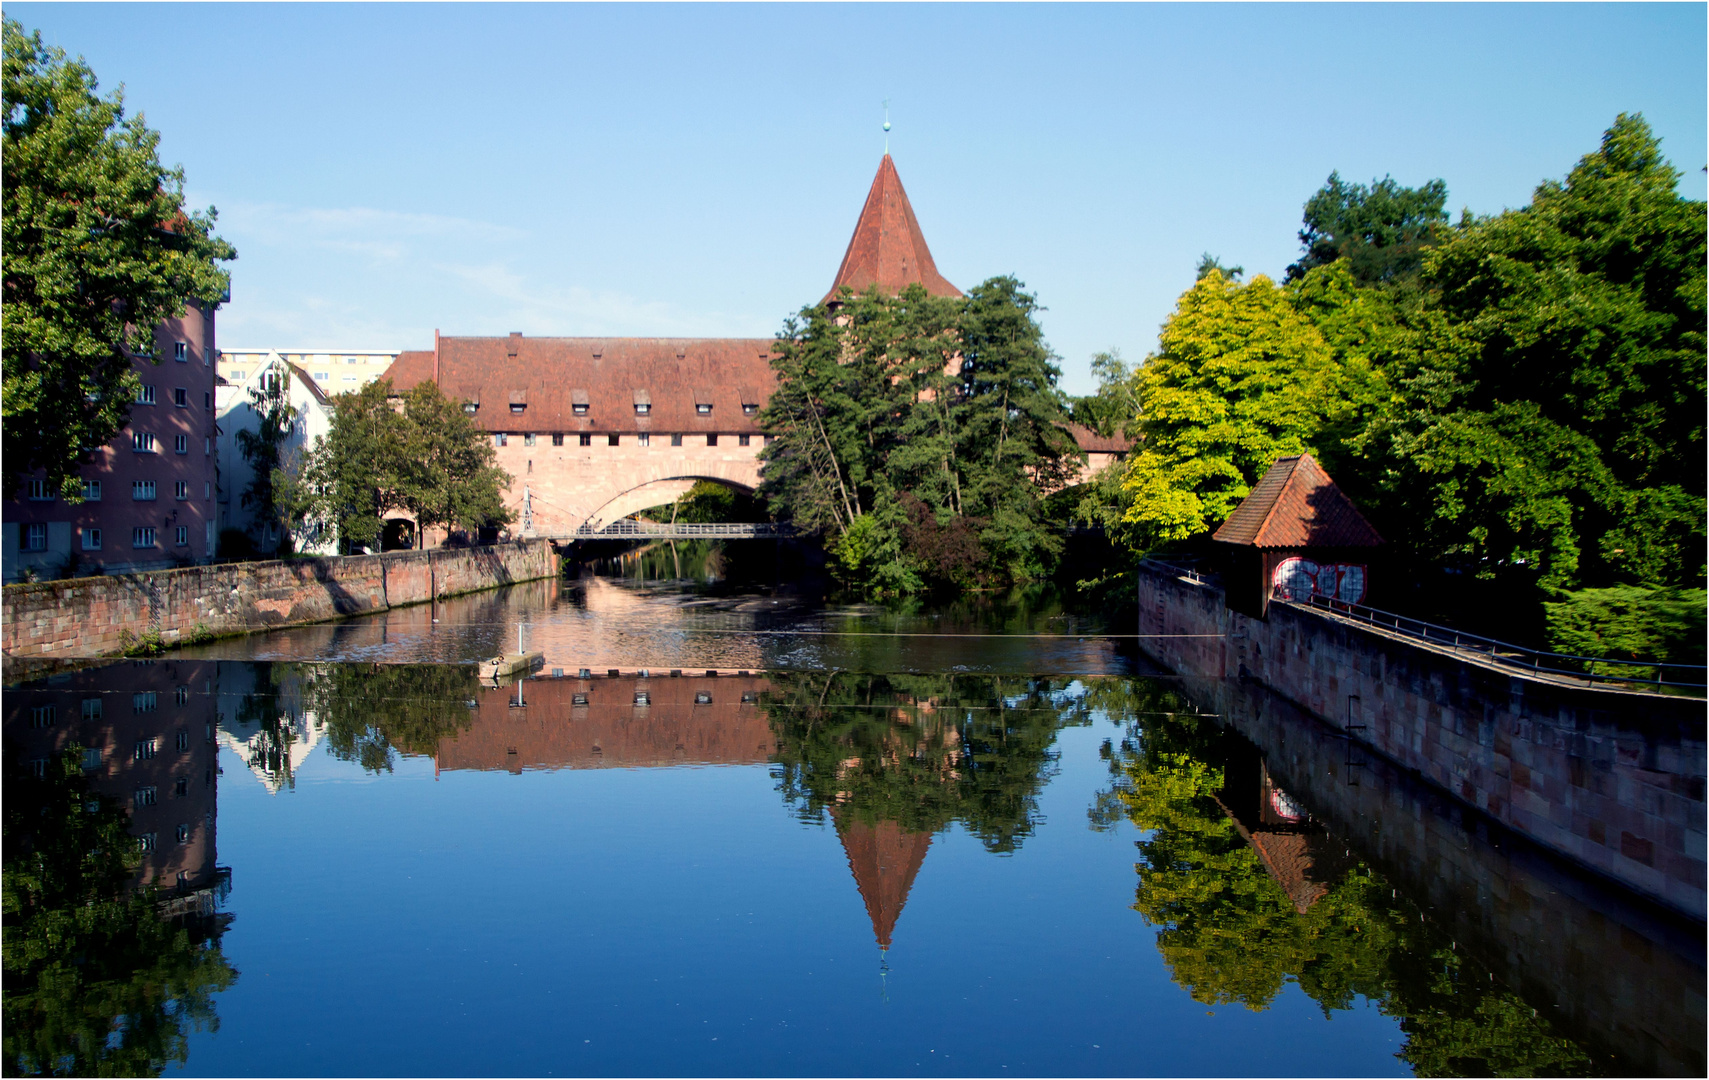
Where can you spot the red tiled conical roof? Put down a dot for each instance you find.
(884, 857)
(887, 248)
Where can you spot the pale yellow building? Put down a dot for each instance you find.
(333, 371)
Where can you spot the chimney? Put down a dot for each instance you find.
(514, 344)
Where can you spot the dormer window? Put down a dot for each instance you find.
(749, 410)
(517, 408)
(704, 408)
(642, 408)
(579, 408)
(471, 407)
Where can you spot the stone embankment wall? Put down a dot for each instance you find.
(90, 616)
(1518, 910)
(1612, 779)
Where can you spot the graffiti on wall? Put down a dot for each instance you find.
(1298, 578)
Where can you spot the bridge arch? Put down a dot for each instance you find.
(596, 488)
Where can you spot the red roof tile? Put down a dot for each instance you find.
(887, 248)
(1093, 443)
(549, 376)
(1297, 505)
(884, 857)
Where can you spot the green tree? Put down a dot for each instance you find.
(1209, 262)
(371, 716)
(97, 982)
(1549, 432)
(918, 750)
(347, 480)
(444, 470)
(1231, 935)
(950, 402)
(263, 449)
(1114, 407)
(99, 251)
(1382, 230)
(1241, 377)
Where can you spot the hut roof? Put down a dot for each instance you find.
(1297, 505)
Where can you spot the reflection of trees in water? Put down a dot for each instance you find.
(97, 982)
(917, 750)
(1231, 932)
(371, 712)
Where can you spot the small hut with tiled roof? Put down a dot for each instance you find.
(1299, 533)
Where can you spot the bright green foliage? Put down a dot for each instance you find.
(1551, 430)
(99, 251)
(1113, 409)
(1242, 377)
(918, 750)
(429, 459)
(1381, 231)
(709, 501)
(1627, 622)
(445, 473)
(97, 983)
(371, 716)
(1231, 935)
(345, 481)
(950, 403)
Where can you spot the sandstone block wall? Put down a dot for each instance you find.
(90, 616)
(1612, 779)
(1521, 913)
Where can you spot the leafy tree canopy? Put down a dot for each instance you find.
(99, 252)
(952, 401)
(97, 982)
(1381, 230)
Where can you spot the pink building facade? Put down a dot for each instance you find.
(151, 493)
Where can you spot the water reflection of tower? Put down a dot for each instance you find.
(885, 858)
(147, 728)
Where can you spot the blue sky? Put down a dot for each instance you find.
(696, 170)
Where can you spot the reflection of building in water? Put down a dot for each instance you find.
(266, 725)
(1296, 851)
(885, 857)
(147, 732)
(628, 722)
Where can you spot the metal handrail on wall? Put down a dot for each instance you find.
(1185, 571)
(726, 530)
(1501, 652)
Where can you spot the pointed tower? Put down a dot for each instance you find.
(887, 248)
(884, 857)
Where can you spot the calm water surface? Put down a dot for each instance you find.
(873, 853)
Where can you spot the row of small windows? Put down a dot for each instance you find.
(144, 701)
(580, 408)
(92, 539)
(143, 442)
(643, 439)
(149, 841)
(180, 396)
(141, 490)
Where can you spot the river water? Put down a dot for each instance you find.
(984, 839)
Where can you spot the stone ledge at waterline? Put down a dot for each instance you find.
(90, 616)
(1612, 779)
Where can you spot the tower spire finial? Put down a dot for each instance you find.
(886, 127)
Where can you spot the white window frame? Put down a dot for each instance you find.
(181, 351)
(142, 442)
(34, 536)
(91, 538)
(145, 394)
(144, 491)
(143, 537)
(182, 537)
(91, 491)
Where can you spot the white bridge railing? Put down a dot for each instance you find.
(716, 530)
